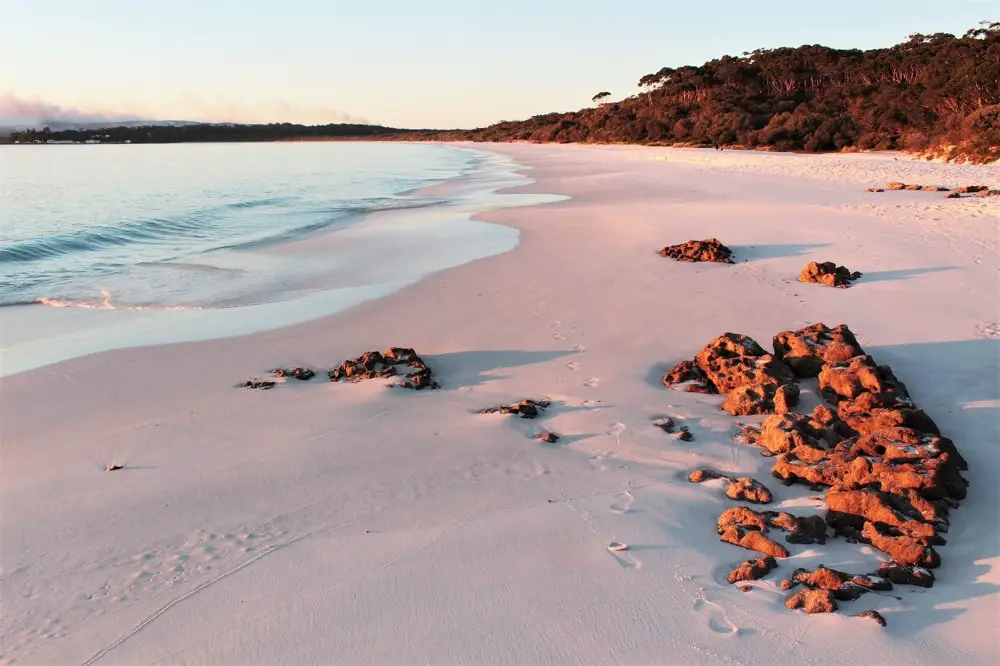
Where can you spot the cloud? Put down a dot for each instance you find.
(20, 112)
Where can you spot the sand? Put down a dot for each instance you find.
(321, 523)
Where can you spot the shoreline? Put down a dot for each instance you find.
(403, 238)
(251, 522)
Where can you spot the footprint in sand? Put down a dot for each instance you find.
(573, 365)
(579, 348)
(616, 431)
(558, 336)
(717, 620)
(592, 382)
(623, 501)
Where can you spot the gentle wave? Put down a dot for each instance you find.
(102, 303)
(193, 226)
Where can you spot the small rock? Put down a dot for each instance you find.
(263, 384)
(970, 189)
(685, 435)
(526, 409)
(829, 274)
(113, 467)
(875, 189)
(750, 490)
(549, 437)
(753, 569)
(787, 584)
(746, 588)
(701, 475)
(812, 601)
(896, 186)
(875, 615)
(698, 251)
(953, 195)
(665, 424)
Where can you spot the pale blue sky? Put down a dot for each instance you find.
(407, 63)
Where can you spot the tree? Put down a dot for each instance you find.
(599, 96)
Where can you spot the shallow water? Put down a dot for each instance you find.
(106, 247)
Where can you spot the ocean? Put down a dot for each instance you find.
(110, 246)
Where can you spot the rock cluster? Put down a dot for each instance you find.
(829, 274)
(890, 476)
(302, 374)
(894, 186)
(709, 249)
(981, 190)
(526, 409)
(416, 374)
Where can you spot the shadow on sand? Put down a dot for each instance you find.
(743, 253)
(472, 368)
(886, 276)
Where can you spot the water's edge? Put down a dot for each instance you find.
(388, 250)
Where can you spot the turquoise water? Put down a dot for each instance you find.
(110, 246)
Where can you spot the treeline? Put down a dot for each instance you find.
(933, 93)
(205, 133)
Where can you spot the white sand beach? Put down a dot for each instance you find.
(322, 523)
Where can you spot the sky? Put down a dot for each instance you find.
(402, 63)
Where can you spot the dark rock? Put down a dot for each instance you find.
(903, 574)
(829, 274)
(302, 374)
(416, 374)
(698, 251)
(687, 376)
(549, 437)
(263, 384)
(875, 615)
(875, 189)
(953, 195)
(685, 435)
(806, 350)
(812, 601)
(666, 424)
(752, 569)
(970, 189)
(844, 586)
(526, 409)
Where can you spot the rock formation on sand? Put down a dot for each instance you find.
(302, 374)
(710, 250)
(891, 476)
(741, 488)
(526, 409)
(752, 569)
(370, 365)
(829, 274)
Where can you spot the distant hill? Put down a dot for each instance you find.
(934, 94)
(184, 132)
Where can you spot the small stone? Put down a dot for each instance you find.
(875, 615)
(812, 601)
(549, 437)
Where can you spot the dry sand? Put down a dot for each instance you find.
(321, 523)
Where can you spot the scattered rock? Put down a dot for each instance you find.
(302, 374)
(526, 409)
(933, 188)
(113, 467)
(665, 424)
(702, 475)
(896, 186)
(263, 384)
(806, 350)
(812, 601)
(753, 569)
(748, 434)
(685, 435)
(370, 365)
(913, 188)
(990, 193)
(698, 251)
(953, 195)
(829, 274)
(875, 189)
(971, 189)
(750, 490)
(903, 574)
(844, 586)
(549, 437)
(786, 584)
(875, 615)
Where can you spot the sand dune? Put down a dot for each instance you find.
(345, 523)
